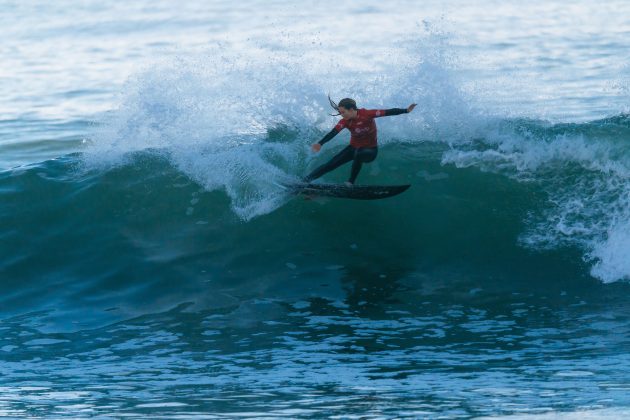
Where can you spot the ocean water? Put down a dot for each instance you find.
(150, 266)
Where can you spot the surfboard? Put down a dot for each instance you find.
(355, 192)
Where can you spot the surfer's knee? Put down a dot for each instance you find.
(367, 155)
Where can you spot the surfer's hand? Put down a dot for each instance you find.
(411, 107)
(315, 147)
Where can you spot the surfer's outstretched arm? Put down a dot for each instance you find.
(329, 136)
(375, 113)
(395, 111)
(336, 129)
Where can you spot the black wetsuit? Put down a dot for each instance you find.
(355, 152)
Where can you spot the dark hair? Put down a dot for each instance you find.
(347, 103)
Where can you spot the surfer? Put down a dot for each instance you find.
(363, 147)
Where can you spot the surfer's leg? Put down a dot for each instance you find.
(361, 156)
(345, 156)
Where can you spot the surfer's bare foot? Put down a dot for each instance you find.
(348, 184)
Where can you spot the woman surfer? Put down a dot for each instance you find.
(363, 147)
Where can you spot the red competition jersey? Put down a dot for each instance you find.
(362, 128)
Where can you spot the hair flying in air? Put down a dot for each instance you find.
(346, 103)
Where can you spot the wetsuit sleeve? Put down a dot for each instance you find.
(395, 111)
(340, 125)
(375, 113)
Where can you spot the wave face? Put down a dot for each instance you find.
(559, 191)
(220, 126)
(583, 172)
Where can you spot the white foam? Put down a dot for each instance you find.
(613, 254)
